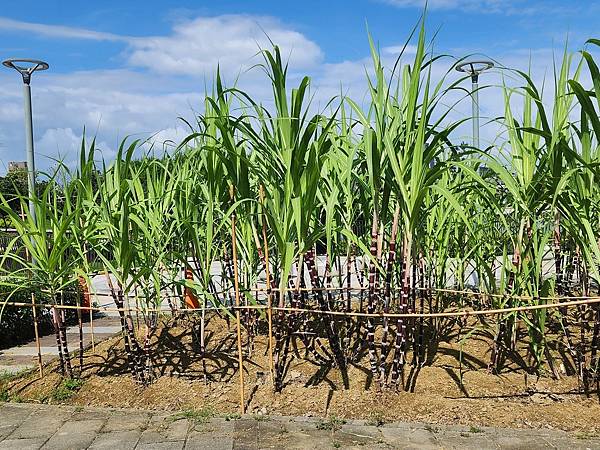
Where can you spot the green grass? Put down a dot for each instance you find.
(431, 428)
(332, 423)
(376, 419)
(197, 416)
(231, 416)
(6, 376)
(66, 389)
(261, 417)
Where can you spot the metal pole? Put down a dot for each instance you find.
(26, 67)
(474, 68)
(475, 99)
(29, 145)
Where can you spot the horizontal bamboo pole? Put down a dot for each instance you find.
(137, 309)
(464, 313)
(309, 289)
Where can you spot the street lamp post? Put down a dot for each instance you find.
(26, 67)
(474, 68)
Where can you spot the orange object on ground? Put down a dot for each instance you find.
(86, 292)
(191, 301)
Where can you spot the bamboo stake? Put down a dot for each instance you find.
(34, 312)
(37, 336)
(269, 300)
(92, 329)
(587, 301)
(80, 330)
(237, 304)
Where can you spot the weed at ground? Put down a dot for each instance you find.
(197, 416)
(261, 418)
(333, 423)
(376, 419)
(431, 429)
(66, 389)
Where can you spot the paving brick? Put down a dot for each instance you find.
(245, 434)
(74, 435)
(409, 437)
(215, 435)
(120, 421)
(43, 423)
(170, 445)
(51, 427)
(165, 429)
(22, 444)
(464, 440)
(5, 430)
(123, 440)
(11, 414)
(90, 414)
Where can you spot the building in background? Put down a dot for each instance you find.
(17, 165)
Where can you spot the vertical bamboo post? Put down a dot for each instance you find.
(268, 275)
(37, 336)
(237, 306)
(34, 313)
(80, 329)
(92, 329)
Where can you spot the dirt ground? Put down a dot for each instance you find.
(436, 393)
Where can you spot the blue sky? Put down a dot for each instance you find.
(121, 68)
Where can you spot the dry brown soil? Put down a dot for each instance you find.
(510, 399)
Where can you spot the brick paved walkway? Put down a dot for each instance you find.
(28, 426)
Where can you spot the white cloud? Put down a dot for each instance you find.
(196, 47)
(63, 144)
(395, 50)
(489, 6)
(146, 102)
(109, 104)
(58, 31)
(165, 81)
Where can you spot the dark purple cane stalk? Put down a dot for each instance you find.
(309, 344)
(80, 329)
(421, 332)
(595, 339)
(278, 357)
(583, 278)
(558, 258)
(348, 304)
(62, 331)
(151, 325)
(502, 328)
(228, 274)
(400, 341)
(332, 337)
(132, 348)
(371, 298)
(411, 309)
(55, 323)
(387, 298)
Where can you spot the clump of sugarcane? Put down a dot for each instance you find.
(357, 208)
(290, 149)
(402, 138)
(48, 265)
(120, 225)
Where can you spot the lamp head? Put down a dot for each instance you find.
(26, 67)
(474, 68)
